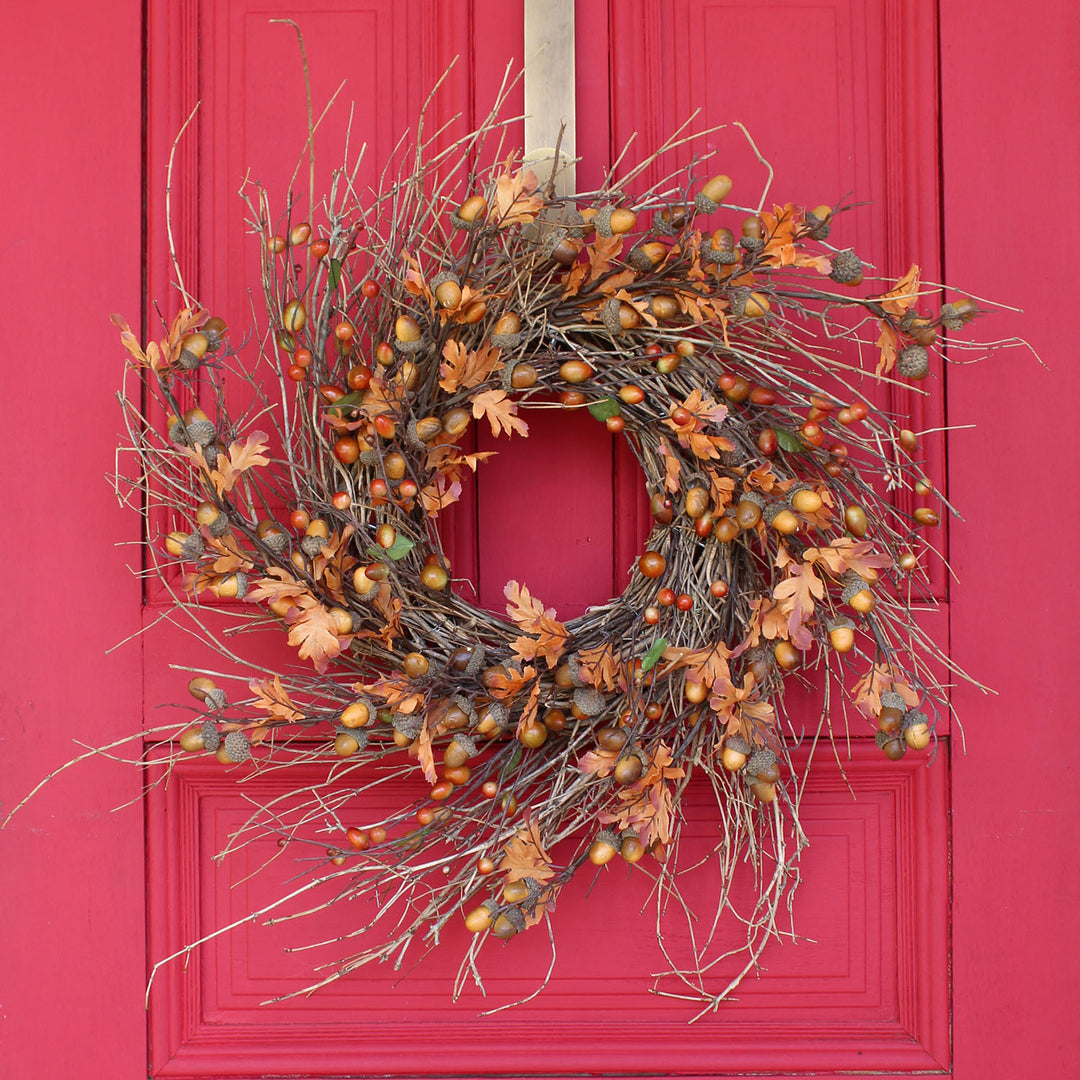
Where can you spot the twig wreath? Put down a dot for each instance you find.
(459, 296)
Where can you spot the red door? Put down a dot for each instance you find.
(893, 974)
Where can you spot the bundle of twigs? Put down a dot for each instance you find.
(458, 296)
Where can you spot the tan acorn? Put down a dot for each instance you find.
(471, 213)
(855, 520)
(735, 753)
(508, 922)
(182, 545)
(447, 290)
(604, 848)
(357, 714)
(842, 634)
(628, 769)
(781, 518)
(193, 347)
(481, 918)
(764, 791)
(647, 256)
(408, 337)
(916, 730)
(294, 316)
(713, 193)
(805, 500)
(857, 595)
(748, 512)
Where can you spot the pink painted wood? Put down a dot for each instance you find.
(874, 993)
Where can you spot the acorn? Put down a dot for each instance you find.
(764, 791)
(613, 221)
(272, 535)
(763, 764)
(647, 256)
(786, 655)
(236, 747)
(481, 918)
(460, 750)
(232, 586)
(357, 714)
(408, 337)
(628, 769)
(891, 714)
(721, 248)
(805, 499)
(507, 331)
(214, 330)
(604, 848)
(735, 753)
(192, 740)
(857, 595)
(294, 316)
(842, 634)
(893, 747)
(751, 244)
(611, 313)
(748, 512)
(712, 194)
(315, 538)
(519, 375)
(426, 428)
(916, 730)
(201, 686)
(611, 737)
(470, 214)
(508, 922)
(913, 362)
(847, 268)
(447, 289)
(631, 848)
(217, 523)
(954, 315)
(187, 546)
(781, 518)
(670, 219)
(664, 307)
(345, 744)
(697, 501)
(456, 420)
(818, 222)
(855, 520)
(193, 347)
(589, 701)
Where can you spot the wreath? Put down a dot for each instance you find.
(727, 345)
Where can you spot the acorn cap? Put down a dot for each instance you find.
(506, 341)
(467, 743)
(201, 432)
(738, 744)
(759, 761)
(752, 244)
(892, 700)
(361, 735)
(704, 204)
(913, 717)
(192, 547)
(369, 457)
(852, 589)
(840, 622)
(846, 266)
(210, 735)
(883, 737)
(476, 663)
(589, 700)
(312, 546)
(755, 498)
(639, 260)
(609, 312)
(498, 712)
(724, 258)
(514, 916)
(602, 221)
(468, 226)
(465, 705)
(215, 699)
(913, 362)
(441, 278)
(575, 671)
(737, 298)
(409, 726)
(552, 239)
(607, 836)
(276, 542)
(506, 375)
(219, 526)
(237, 747)
(819, 227)
(410, 347)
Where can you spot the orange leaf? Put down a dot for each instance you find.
(313, 633)
(599, 665)
(425, 754)
(530, 615)
(514, 198)
(501, 412)
(524, 856)
(242, 456)
(272, 697)
(464, 369)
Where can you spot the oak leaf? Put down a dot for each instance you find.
(313, 633)
(463, 369)
(425, 754)
(515, 201)
(272, 696)
(548, 636)
(500, 411)
(524, 855)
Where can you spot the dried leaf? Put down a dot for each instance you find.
(425, 754)
(501, 412)
(271, 696)
(463, 369)
(524, 855)
(529, 614)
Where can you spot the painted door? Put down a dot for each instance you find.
(840, 96)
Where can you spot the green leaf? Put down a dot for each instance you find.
(333, 276)
(648, 661)
(401, 547)
(604, 409)
(789, 441)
